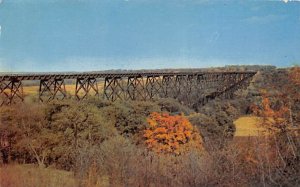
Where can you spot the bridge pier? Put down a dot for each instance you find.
(153, 86)
(168, 85)
(192, 83)
(188, 88)
(135, 88)
(113, 89)
(52, 89)
(10, 91)
(193, 88)
(86, 85)
(180, 81)
(199, 84)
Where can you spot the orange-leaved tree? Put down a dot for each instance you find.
(274, 118)
(171, 134)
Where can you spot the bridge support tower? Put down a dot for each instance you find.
(135, 88)
(11, 92)
(85, 87)
(114, 89)
(52, 89)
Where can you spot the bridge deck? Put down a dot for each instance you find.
(45, 76)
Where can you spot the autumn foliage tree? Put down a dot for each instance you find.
(279, 109)
(274, 117)
(280, 105)
(171, 134)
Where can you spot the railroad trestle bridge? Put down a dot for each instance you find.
(191, 87)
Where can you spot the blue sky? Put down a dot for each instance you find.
(84, 35)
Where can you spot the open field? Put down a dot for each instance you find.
(251, 126)
(248, 126)
(70, 88)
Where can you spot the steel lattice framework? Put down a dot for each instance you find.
(199, 87)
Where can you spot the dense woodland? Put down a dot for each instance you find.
(162, 142)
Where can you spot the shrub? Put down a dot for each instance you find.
(51, 134)
(219, 128)
(73, 126)
(23, 124)
(129, 117)
(173, 106)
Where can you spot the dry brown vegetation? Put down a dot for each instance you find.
(32, 176)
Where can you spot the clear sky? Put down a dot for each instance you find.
(83, 35)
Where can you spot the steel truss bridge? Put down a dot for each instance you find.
(190, 87)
